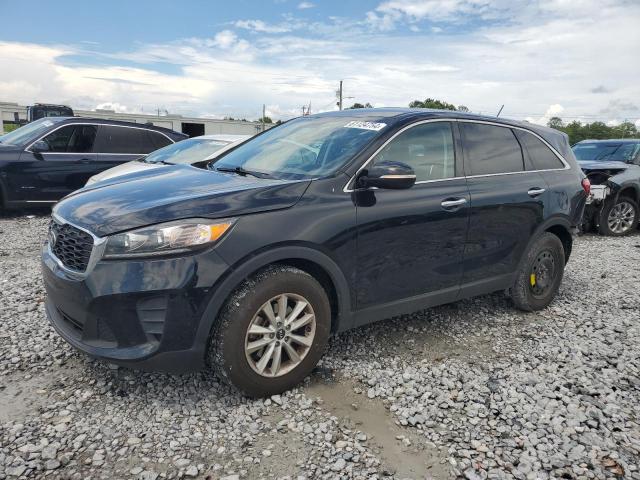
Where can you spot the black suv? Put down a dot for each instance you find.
(318, 225)
(51, 157)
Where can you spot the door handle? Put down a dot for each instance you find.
(453, 203)
(535, 191)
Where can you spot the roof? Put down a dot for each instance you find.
(558, 139)
(105, 121)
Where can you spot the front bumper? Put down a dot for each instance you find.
(138, 313)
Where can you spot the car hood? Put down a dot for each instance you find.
(124, 169)
(587, 165)
(172, 193)
(7, 147)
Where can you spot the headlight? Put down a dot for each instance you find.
(166, 238)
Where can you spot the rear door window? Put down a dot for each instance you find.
(124, 140)
(491, 149)
(541, 157)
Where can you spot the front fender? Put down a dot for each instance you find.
(256, 261)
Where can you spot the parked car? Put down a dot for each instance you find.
(247, 266)
(194, 151)
(613, 168)
(51, 157)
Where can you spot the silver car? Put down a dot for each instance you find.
(191, 151)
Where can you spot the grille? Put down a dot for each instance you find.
(72, 246)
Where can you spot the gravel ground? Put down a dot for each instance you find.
(473, 390)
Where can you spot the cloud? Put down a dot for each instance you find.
(536, 60)
(553, 111)
(260, 26)
(116, 107)
(305, 5)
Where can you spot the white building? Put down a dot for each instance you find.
(12, 115)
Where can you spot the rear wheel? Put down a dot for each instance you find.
(272, 331)
(540, 274)
(619, 217)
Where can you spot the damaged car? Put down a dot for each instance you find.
(613, 168)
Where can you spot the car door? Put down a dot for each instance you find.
(507, 205)
(410, 242)
(118, 144)
(57, 164)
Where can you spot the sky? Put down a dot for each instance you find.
(577, 59)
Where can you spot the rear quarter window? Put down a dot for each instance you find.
(158, 140)
(124, 140)
(490, 149)
(541, 157)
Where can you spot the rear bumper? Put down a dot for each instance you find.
(140, 314)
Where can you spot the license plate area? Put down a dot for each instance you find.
(598, 193)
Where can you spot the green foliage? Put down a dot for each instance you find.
(265, 120)
(359, 105)
(433, 103)
(9, 127)
(594, 131)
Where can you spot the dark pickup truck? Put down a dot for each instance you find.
(613, 168)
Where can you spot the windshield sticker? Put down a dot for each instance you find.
(366, 125)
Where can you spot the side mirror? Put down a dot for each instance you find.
(391, 175)
(40, 146)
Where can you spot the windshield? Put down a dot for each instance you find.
(621, 152)
(187, 151)
(303, 148)
(29, 132)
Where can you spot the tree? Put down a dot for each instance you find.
(596, 130)
(555, 122)
(265, 120)
(359, 105)
(625, 130)
(432, 103)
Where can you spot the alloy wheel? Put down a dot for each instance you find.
(280, 335)
(621, 217)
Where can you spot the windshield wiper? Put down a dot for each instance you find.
(242, 171)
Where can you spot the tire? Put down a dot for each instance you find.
(534, 289)
(619, 217)
(230, 343)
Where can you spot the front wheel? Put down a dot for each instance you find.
(540, 274)
(272, 331)
(619, 217)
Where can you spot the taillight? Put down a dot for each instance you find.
(586, 186)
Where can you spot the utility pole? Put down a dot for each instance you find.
(264, 108)
(340, 96)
